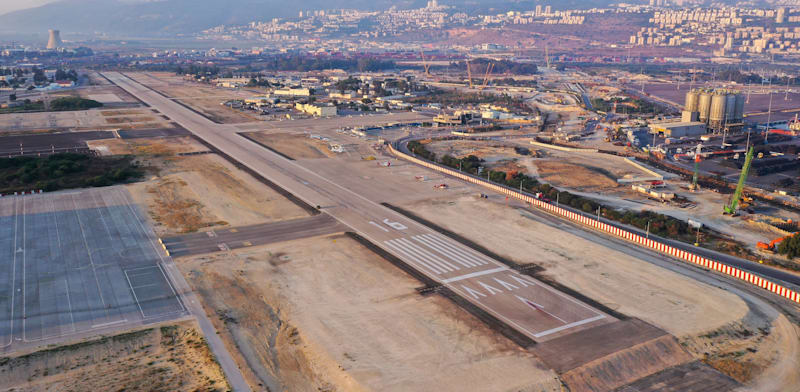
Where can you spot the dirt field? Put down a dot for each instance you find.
(327, 314)
(171, 357)
(581, 178)
(204, 98)
(205, 191)
(189, 193)
(294, 146)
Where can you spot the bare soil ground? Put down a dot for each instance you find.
(171, 357)
(293, 145)
(189, 193)
(761, 355)
(204, 98)
(328, 314)
(123, 120)
(578, 177)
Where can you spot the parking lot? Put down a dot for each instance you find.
(77, 263)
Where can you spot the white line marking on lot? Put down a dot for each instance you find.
(474, 274)
(109, 323)
(402, 251)
(24, 316)
(69, 303)
(89, 254)
(568, 326)
(133, 291)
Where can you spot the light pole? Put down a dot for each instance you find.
(647, 233)
(557, 195)
(520, 185)
(598, 214)
(697, 237)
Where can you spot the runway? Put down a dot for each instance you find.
(241, 237)
(528, 306)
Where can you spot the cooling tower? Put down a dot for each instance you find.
(716, 116)
(704, 106)
(738, 113)
(692, 98)
(55, 40)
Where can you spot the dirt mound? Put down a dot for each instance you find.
(626, 366)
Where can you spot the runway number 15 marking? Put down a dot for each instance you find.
(395, 225)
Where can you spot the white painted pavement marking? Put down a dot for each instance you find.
(538, 307)
(407, 255)
(476, 257)
(414, 248)
(453, 256)
(568, 326)
(379, 226)
(474, 274)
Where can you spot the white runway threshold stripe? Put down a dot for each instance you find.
(568, 326)
(475, 274)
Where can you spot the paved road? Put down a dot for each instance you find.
(530, 307)
(240, 237)
(773, 274)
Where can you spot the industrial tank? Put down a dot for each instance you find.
(730, 108)
(692, 98)
(716, 116)
(704, 105)
(738, 113)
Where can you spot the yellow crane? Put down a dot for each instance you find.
(489, 68)
(425, 65)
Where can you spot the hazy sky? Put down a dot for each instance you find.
(13, 5)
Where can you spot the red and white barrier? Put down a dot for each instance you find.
(655, 245)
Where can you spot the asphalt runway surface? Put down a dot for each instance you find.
(532, 308)
(241, 237)
(78, 262)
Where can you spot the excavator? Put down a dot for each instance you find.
(733, 206)
(772, 244)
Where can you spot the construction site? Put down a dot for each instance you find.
(317, 253)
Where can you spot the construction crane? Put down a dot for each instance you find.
(469, 73)
(693, 187)
(425, 64)
(489, 68)
(731, 208)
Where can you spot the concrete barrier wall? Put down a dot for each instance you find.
(609, 229)
(633, 162)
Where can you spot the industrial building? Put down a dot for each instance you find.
(719, 109)
(317, 109)
(679, 129)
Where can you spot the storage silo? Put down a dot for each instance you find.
(692, 98)
(716, 116)
(738, 113)
(730, 108)
(704, 106)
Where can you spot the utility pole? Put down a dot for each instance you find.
(786, 96)
(769, 113)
